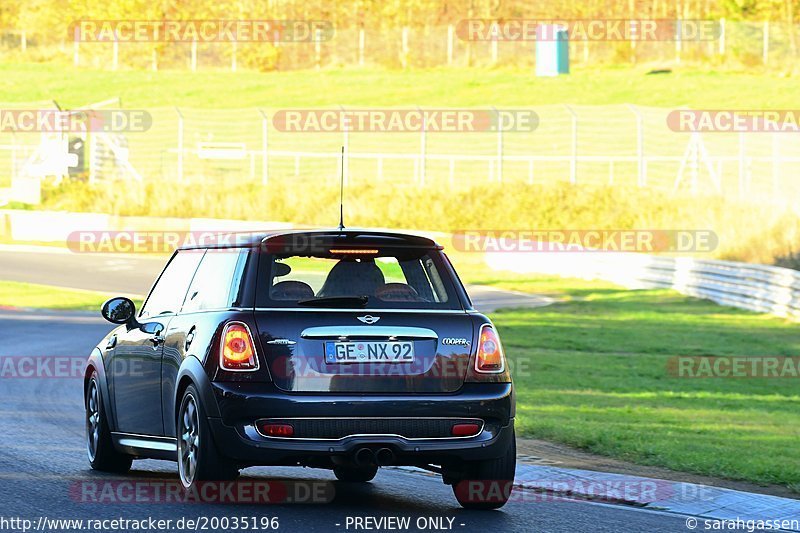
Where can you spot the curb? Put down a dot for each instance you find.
(551, 484)
(658, 494)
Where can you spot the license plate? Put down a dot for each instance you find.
(369, 352)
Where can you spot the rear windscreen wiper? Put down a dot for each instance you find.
(335, 301)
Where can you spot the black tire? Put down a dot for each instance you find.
(355, 474)
(198, 457)
(99, 446)
(487, 484)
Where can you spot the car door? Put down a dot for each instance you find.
(214, 290)
(137, 358)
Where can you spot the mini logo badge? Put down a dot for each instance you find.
(369, 319)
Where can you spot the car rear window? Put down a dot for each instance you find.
(359, 278)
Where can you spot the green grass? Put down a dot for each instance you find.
(747, 231)
(426, 87)
(31, 295)
(591, 372)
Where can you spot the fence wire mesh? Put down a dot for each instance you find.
(616, 145)
(745, 43)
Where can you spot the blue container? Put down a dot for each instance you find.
(552, 50)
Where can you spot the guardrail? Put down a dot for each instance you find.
(761, 288)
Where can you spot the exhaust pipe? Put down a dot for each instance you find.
(384, 456)
(364, 457)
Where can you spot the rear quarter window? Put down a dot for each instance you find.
(213, 283)
(170, 290)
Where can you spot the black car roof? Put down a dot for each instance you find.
(322, 237)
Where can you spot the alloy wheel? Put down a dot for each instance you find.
(92, 420)
(188, 441)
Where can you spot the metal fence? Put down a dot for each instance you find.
(761, 288)
(742, 42)
(617, 145)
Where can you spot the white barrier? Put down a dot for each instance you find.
(59, 226)
(762, 288)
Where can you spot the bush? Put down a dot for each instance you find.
(747, 232)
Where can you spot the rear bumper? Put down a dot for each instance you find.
(241, 404)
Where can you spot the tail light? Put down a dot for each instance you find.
(238, 353)
(490, 358)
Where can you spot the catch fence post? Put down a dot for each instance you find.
(450, 37)
(361, 43)
(346, 152)
(499, 147)
(115, 57)
(423, 150)
(318, 48)
(776, 167)
(264, 148)
(573, 163)
(641, 176)
(742, 165)
(404, 48)
(180, 145)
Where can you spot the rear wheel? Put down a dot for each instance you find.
(487, 484)
(198, 458)
(99, 447)
(355, 474)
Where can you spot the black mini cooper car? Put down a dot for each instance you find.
(339, 349)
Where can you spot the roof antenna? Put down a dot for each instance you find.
(341, 194)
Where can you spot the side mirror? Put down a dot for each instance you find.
(119, 310)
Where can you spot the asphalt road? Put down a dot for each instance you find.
(44, 470)
(132, 275)
(111, 273)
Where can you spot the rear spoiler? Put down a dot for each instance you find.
(316, 242)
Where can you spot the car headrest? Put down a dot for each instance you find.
(352, 278)
(291, 290)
